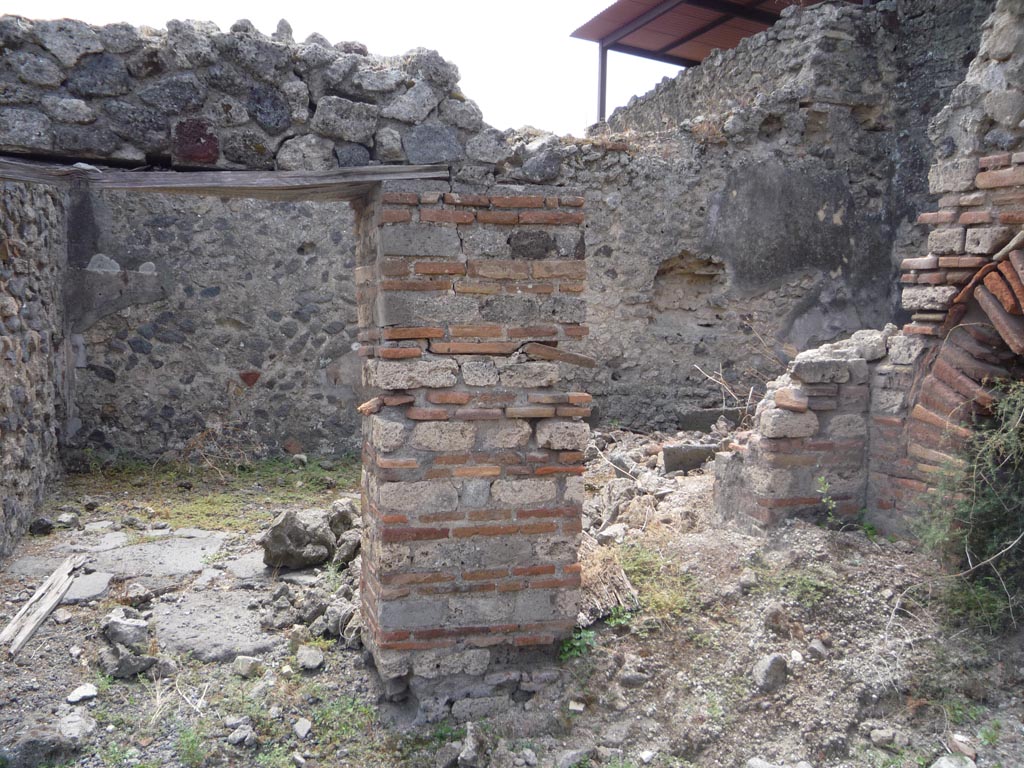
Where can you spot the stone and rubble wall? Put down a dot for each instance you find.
(765, 201)
(927, 385)
(473, 448)
(33, 251)
(242, 334)
(966, 296)
(746, 212)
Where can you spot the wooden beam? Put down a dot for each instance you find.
(339, 184)
(705, 29)
(737, 10)
(640, 21)
(695, 33)
(46, 598)
(679, 61)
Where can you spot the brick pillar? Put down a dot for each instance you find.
(472, 454)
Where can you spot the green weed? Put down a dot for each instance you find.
(579, 645)
(977, 522)
(191, 747)
(989, 733)
(665, 592)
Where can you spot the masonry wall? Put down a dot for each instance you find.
(765, 201)
(32, 255)
(922, 390)
(747, 211)
(473, 448)
(966, 295)
(240, 333)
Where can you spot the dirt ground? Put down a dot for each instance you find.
(869, 670)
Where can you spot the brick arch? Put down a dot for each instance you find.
(982, 339)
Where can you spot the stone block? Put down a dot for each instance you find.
(443, 436)
(952, 175)
(420, 240)
(870, 344)
(411, 613)
(339, 118)
(819, 367)
(948, 240)
(410, 374)
(529, 375)
(928, 298)
(987, 240)
(413, 105)
(776, 422)
(686, 456)
(394, 308)
(421, 495)
(480, 373)
(514, 433)
(524, 493)
(791, 399)
(468, 710)
(432, 143)
(473, 611)
(561, 435)
(846, 425)
(574, 491)
(445, 663)
(904, 350)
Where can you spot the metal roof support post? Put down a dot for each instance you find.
(602, 81)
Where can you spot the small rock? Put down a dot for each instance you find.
(77, 725)
(686, 457)
(41, 526)
(770, 672)
(469, 755)
(83, 692)
(647, 756)
(777, 620)
(953, 761)
(61, 616)
(247, 666)
(39, 744)
(529, 757)
(123, 627)
(572, 757)
(69, 520)
(138, 594)
(577, 706)
(301, 459)
(448, 755)
(748, 580)
(309, 658)
(118, 661)
(958, 743)
(299, 539)
(817, 650)
(244, 735)
(882, 737)
(298, 760)
(302, 727)
(613, 533)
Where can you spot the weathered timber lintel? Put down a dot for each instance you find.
(339, 184)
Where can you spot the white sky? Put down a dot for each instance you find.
(516, 59)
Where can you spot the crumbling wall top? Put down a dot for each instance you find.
(192, 96)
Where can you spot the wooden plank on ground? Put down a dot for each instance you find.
(25, 623)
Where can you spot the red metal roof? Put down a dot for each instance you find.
(680, 32)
